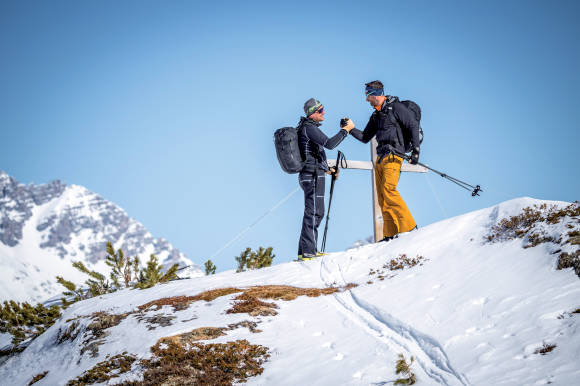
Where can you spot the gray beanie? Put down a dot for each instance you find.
(311, 105)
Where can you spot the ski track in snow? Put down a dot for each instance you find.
(397, 335)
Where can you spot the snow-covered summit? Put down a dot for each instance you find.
(45, 227)
(477, 299)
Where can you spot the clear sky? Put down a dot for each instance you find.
(167, 108)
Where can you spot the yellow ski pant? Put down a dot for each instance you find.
(396, 215)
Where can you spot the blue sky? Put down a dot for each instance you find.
(168, 108)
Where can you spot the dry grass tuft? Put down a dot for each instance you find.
(105, 370)
(203, 364)
(570, 260)
(532, 226)
(574, 237)
(186, 339)
(284, 292)
(398, 263)
(249, 301)
(103, 320)
(211, 295)
(535, 239)
(520, 225)
(96, 331)
(180, 303)
(69, 334)
(207, 333)
(402, 262)
(37, 378)
(546, 348)
(253, 307)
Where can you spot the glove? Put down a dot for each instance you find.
(334, 172)
(346, 124)
(414, 159)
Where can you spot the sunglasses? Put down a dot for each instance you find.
(320, 111)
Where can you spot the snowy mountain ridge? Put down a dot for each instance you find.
(43, 228)
(470, 303)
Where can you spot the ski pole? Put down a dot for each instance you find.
(340, 159)
(473, 189)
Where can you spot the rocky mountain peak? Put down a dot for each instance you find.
(66, 223)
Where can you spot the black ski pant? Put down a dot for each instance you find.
(312, 183)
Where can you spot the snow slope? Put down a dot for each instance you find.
(473, 313)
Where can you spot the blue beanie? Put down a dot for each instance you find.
(374, 91)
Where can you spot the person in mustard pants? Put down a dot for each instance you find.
(385, 123)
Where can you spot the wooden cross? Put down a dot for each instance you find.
(366, 165)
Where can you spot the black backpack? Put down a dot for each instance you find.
(287, 149)
(405, 131)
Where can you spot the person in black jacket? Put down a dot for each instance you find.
(312, 142)
(385, 123)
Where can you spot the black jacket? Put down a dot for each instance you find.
(312, 142)
(384, 123)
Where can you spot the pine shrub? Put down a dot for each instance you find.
(249, 259)
(153, 274)
(123, 269)
(209, 268)
(97, 282)
(403, 368)
(73, 295)
(24, 321)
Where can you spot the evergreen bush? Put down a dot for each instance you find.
(209, 267)
(404, 368)
(24, 321)
(249, 259)
(153, 274)
(123, 269)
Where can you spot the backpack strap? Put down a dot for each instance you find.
(391, 115)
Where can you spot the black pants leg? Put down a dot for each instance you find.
(312, 183)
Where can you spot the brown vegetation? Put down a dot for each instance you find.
(524, 224)
(574, 237)
(253, 307)
(202, 364)
(520, 225)
(207, 333)
(37, 378)
(402, 262)
(96, 331)
(70, 333)
(398, 263)
(546, 348)
(105, 370)
(180, 303)
(202, 333)
(570, 260)
(249, 301)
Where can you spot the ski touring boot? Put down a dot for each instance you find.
(306, 257)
